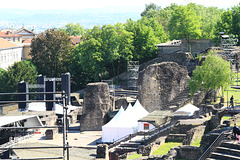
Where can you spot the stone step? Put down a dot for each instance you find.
(130, 145)
(223, 156)
(175, 137)
(126, 149)
(234, 152)
(230, 144)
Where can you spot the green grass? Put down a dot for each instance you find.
(135, 156)
(164, 148)
(196, 142)
(226, 118)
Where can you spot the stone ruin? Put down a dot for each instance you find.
(96, 105)
(161, 83)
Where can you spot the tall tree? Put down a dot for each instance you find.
(211, 75)
(20, 71)
(51, 52)
(73, 29)
(184, 24)
(102, 50)
(151, 7)
(146, 34)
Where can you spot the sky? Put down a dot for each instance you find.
(85, 4)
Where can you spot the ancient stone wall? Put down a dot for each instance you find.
(197, 46)
(194, 134)
(160, 83)
(96, 105)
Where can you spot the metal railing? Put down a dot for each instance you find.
(65, 146)
(213, 146)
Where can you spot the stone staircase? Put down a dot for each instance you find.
(129, 146)
(228, 150)
(179, 100)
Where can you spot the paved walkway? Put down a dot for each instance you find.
(84, 144)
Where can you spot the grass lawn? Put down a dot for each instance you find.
(135, 156)
(226, 117)
(196, 142)
(164, 148)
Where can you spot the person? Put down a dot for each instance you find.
(231, 102)
(235, 131)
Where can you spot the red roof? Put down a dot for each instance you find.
(27, 41)
(75, 39)
(6, 44)
(8, 35)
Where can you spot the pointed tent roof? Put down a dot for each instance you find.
(140, 112)
(188, 108)
(116, 119)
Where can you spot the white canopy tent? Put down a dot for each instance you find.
(123, 123)
(116, 128)
(188, 110)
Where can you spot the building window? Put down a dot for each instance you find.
(18, 39)
(13, 39)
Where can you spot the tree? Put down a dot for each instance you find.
(212, 75)
(208, 16)
(151, 7)
(184, 24)
(73, 29)
(146, 34)
(51, 52)
(20, 71)
(224, 24)
(102, 50)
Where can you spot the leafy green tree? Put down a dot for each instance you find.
(20, 71)
(50, 52)
(184, 24)
(103, 49)
(146, 34)
(211, 75)
(208, 16)
(151, 7)
(73, 29)
(224, 24)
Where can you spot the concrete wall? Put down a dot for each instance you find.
(168, 48)
(197, 46)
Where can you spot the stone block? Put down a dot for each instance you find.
(96, 106)
(102, 151)
(160, 83)
(50, 134)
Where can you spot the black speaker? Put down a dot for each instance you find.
(50, 87)
(66, 86)
(23, 88)
(40, 88)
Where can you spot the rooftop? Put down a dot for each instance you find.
(8, 34)
(6, 44)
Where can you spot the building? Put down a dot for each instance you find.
(9, 53)
(9, 36)
(75, 40)
(25, 33)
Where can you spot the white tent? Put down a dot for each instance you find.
(188, 109)
(117, 128)
(123, 123)
(139, 111)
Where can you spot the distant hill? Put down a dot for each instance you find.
(43, 19)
